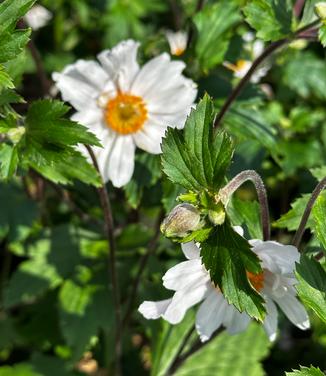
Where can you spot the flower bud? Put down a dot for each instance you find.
(182, 219)
(320, 10)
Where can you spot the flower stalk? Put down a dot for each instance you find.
(250, 175)
(316, 192)
(109, 230)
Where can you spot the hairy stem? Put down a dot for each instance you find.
(242, 83)
(251, 175)
(316, 192)
(109, 230)
(142, 264)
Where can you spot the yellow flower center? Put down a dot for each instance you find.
(125, 113)
(240, 65)
(178, 51)
(257, 280)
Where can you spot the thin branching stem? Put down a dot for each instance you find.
(250, 175)
(109, 230)
(242, 83)
(316, 192)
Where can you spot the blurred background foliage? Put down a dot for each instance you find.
(55, 310)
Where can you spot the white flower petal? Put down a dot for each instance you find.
(177, 41)
(154, 310)
(276, 257)
(185, 273)
(80, 86)
(190, 250)
(210, 314)
(88, 116)
(149, 138)
(234, 321)
(238, 230)
(294, 311)
(121, 63)
(270, 323)
(37, 17)
(120, 160)
(182, 300)
(163, 87)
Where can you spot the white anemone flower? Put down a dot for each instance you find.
(177, 41)
(126, 106)
(254, 48)
(37, 17)
(192, 285)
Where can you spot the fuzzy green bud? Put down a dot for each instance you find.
(320, 10)
(183, 219)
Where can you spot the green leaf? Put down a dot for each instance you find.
(49, 144)
(309, 14)
(250, 123)
(11, 11)
(272, 19)
(83, 311)
(305, 371)
(45, 124)
(22, 369)
(8, 161)
(312, 285)
(51, 366)
(319, 219)
(292, 218)
(5, 80)
(322, 34)
(226, 355)
(246, 214)
(215, 24)
(167, 342)
(12, 44)
(306, 85)
(198, 159)
(228, 257)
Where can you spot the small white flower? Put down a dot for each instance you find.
(177, 41)
(254, 48)
(37, 17)
(125, 105)
(191, 283)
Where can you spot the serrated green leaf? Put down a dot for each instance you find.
(199, 158)
(214, 25)
(45, 123)
(12, 44)
(49, 144)
(5, 80)
(292, 218)
(305, 371)
(312, 285)
(11, 11)
(319, 220)
(228, 257)
(8, 161)
(272, 19)
(238, 355)
(322, 34)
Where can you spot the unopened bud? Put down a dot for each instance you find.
(320, 10)
(182, 219)
(15, 134)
